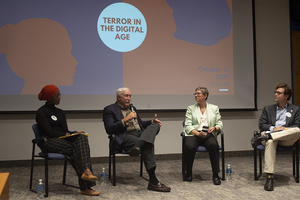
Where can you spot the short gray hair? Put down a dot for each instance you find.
(120, 91)
(204, 91)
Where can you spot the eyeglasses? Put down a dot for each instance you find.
(197, 94)
(278, 93)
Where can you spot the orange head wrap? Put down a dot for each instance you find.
(47, 92)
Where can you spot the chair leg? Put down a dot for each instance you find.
(296, 163)
(65, 171)
(223, 163)
(109, 166)
(255, 163)
(256, 176)
(183, 164)
(46, 176)
(114, 169)
(31, 171)
(260, 164)
(141, 167)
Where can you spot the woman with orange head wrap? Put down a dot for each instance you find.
(53, 124)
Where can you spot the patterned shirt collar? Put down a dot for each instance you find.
(122, 108)
(285, 107)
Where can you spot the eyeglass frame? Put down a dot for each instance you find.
(278, 93)
(197, 94)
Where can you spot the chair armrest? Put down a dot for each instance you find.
(112, 137)
(182, 134)
(221, 132)
(222, 140)
(296, 143)
(112, 143)
(256, 133)
(38, 139)
(41, 143)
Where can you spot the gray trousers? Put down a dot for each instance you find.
(148, 135)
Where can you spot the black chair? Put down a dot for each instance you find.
(47, 156)
(112, 158)
(203, 149)
(294, 149)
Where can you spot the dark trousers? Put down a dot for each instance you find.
(77, 150)
(210, 143)
(148, 135)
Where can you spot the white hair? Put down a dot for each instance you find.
(120, 91)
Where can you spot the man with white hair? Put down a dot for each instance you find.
(134, 135)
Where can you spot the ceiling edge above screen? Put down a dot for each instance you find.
(160, 76)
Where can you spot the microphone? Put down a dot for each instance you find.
(131, 108)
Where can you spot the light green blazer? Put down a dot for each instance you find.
(192, 117)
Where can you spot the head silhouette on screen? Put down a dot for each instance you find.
(200, 21)
(39, 51)
(163, 52)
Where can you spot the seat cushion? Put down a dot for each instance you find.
(203, 149)
(279, 148)
(53, 156)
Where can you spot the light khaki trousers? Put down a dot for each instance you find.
(283, 138)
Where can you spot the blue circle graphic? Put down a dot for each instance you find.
(122, 27)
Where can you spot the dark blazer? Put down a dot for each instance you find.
(268, 117)
(112, 118)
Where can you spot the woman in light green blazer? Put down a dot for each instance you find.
(202, 123)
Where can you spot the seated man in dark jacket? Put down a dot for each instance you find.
(133, 134)
(279, 125)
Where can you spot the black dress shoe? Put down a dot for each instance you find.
(269, 184)
(188, 176)
(134, 151)
(159, 187)
(216, 180)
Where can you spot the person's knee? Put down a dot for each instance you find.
(147, 147)
(82, 137)
(68, 151)
(213, 147)
(270, 142)
(156, 126)
(190, 148)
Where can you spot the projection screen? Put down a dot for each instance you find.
(160, 49)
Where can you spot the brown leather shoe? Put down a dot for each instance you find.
(90, 192)
(91, 178)
(160, 187)
(134, 151)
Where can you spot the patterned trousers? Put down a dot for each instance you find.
(77, 151)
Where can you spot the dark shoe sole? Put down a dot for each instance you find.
(217, 180)
(188, 179)
(268, 189)
(159, 189)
